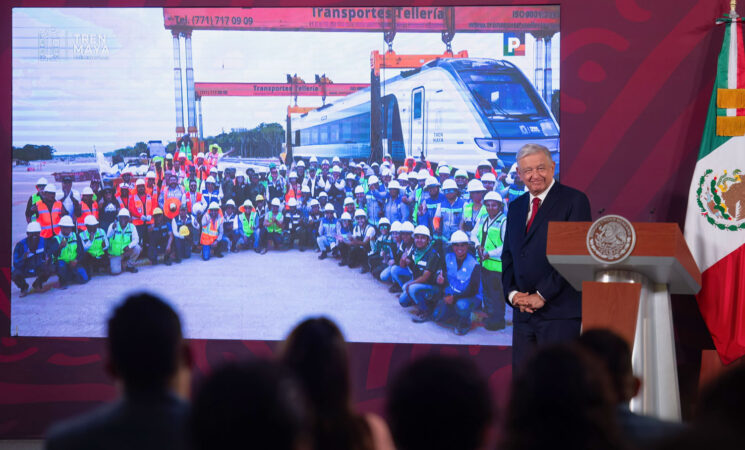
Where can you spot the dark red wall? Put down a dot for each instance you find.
(636, 77)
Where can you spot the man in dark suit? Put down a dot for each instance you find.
(546, 308)
(151, 361)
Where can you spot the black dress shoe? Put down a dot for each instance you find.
(422, 317)
(494, 325)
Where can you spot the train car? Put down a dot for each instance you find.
(457, 110)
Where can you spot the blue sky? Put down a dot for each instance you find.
(127, 94)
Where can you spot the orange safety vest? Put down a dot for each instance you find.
(137, 211)
(85, 212)
(190, 202)
(292, 193)
(49, 220)
(209, 233)
(167, 202)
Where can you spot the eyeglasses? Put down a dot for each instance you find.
(528, 171)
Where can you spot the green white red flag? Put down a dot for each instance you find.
(715, 220)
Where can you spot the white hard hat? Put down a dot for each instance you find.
(305, 189)
(423, 174)
(50, 188)
(421, 229)
(293, 174)
(488, 176)
(214, 205)
(169, 156)
(492, 196)
(90, 219)
(395, 226)
(247, 204)
(313, 159)
(325, 161)
(275, 202)
(300, 163)
(323, 194)
(485, 163)
(394, 185)
(66, 222)
(442, 164)
(230, 203)
(461, 173)
(213, 169)
(385, 173)
(350, 176)
(150, 174)
(140, 182)
(476, 186)
(33, 227)
(41, 181)
(359, 190)
(328, 208)
(431, 182)
(449, 184)
(346, 216)
(87, 191)
(314, 202)
(384, 221)
(459, 237)
(123, 213)
(360, 213)
(373, 180)
(200, 155)
(335, 159)
(198, 209)
(348, 201)
(282, 167)
(336, 169)
(403, 176)
(352, 164)
(210, 179)
(407, 227)
(291, 202)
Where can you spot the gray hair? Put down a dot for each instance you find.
(531, 149)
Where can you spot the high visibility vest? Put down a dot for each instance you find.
(418, 196)
(247, 224)
(168, 201)
(451, 217)
(490, 239)
(514, 192)
(120, 239)
(34, 200)
(468, 219)
(191, 201)
(458, 278)
(273, 228)
(49, 220)
(137, 209)
(210, 232)
(96, 248)
(85, 212)
(70, 252)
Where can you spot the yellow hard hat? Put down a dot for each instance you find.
(183, 231)
(259, 198)
(157, 211)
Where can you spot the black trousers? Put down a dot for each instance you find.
(536, 332)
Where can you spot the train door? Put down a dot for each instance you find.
(417, 131)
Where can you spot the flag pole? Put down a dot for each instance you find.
(732, 9)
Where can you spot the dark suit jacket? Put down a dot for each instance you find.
(139, 423)
(525, 267)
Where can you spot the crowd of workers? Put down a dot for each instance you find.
(433, 232)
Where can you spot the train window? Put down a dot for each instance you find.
(418, 105)
(346, 130)
(334, 133)
(501, 95)
(324, 134)
(314, 135)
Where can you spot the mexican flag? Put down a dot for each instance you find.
(715, 220)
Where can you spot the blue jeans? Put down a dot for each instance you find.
(461, 308)
(183, 247)
(68, 273)
(386, 274)
(401, 275)
(220, 246)
(421, 294)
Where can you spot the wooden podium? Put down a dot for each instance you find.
(632, 298)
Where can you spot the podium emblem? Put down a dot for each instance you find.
(611, 239)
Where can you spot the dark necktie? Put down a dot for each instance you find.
(533, 212)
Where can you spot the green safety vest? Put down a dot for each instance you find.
(70, 252)
(121, 239)
(418, 197)
(36, 198)
(492, 240)
(274, 228)
(468, 213)
(246, 223)
(96, 248)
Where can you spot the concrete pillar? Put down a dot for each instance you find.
(201, 126)
(548, 73)
(190, 95)
(177, 84)
(539, 61)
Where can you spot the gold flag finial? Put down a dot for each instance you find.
(733, 7)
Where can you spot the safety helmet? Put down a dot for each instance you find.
(461, 173)
(290, 203)
(384, 221)
(200, 155)
(33, 227)
(275, 202)
(346, 216)
(50, 188)
(422, 230)
(90, 219)
(431, 182)
(157, 211)
(123, 213)
(359, 190)
(395, 226)
(259, 198)
(484, 163)
(42, 182)
(87, 191)
(140, 182)
(214, 205)
(476, 186)
(247, 204)
(407, 227)
(292, 175)
(360, 213)
(403, 177)
(459, 237)
(348, 201)
(394, 185)
(305, 189)
(300, 163)
(314, 202)
(210, 179)
(323, 194)
(313, 159)
(350, 176)
(183, 231)
(230, 202)
(492, 196)
(423, 174)
(373, 180)
(336, 169)
(449, 184)
(66, 222)
(488, 176)
(150, 174)
(328, 208)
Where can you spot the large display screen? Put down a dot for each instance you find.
(213, 155)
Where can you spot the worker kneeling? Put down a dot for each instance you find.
(124, 244)
(423, 262)
(95, 243)
(213, 239)
(460, 283)
(69, 264)
(244, 227)
(359, 244)
(32, 257)
(161, 239)
(327, 231)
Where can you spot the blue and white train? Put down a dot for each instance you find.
(457, 110)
